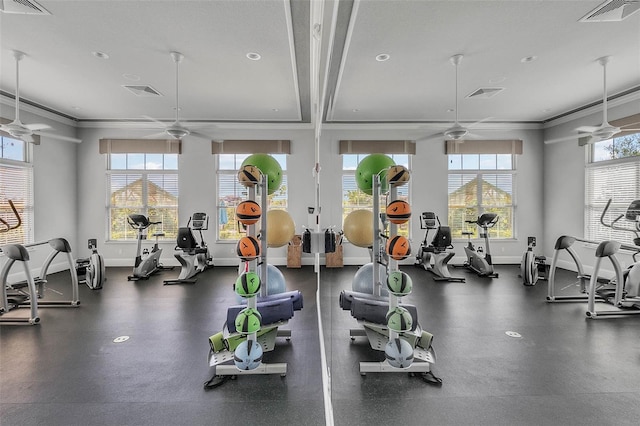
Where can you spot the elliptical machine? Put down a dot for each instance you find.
(147, 262)
(92, 268)
(479, 260)
(194, 257)
(434, 257)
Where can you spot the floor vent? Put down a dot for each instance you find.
(24, 7)
(144, 91)
(485, 92)
(612, 11)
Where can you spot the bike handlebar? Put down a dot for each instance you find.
(613, 225)
(5, 223)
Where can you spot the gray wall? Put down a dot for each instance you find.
(197, 189)
(71, 193)
(564, 182)
(55, 190)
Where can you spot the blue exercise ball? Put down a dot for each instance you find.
(398, 353)
(275, 280)
(248, 355)
(363, 280)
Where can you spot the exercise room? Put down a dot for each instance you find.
(319, 212)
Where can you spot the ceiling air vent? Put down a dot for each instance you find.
(485, 92)
(144, 91)
(612, 11)
(24, 7)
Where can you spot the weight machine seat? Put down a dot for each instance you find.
(442, 240)
(370, 308)
(375, 311)
(295, 296)
(272, 311)
(186, 241)
(346, 298)
(486, 219)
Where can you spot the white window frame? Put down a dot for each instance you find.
(23, 198)
(618, 180)
(478, 174)
(240, 194)
(169, 228)
(404, 191)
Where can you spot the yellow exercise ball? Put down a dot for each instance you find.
(358, 228)
(280, 228)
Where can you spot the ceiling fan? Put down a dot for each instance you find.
(456, 132)
(16, 128)
(176, 130)
(605, 130)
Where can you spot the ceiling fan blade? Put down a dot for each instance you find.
(154, 120)
(479, 122)
(37, 126)
(160, 135)
(434, 137)
(201, 135)
(563, 139)
(587, 129)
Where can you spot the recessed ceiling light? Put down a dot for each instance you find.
(528, 59)
(76, 108)
(254, 56)
(450, 110)
(546, 110)
(131, 77)
(355, 110)
(275, 109)
(100, 55)
(383, 57)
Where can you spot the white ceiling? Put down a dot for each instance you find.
(219, 84)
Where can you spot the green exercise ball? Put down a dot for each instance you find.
(372, 165)
(268, 166)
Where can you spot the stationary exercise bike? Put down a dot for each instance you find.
(434, 257)
(193, 256)
(92, 268)
(147, 262)
(479, 260)
(532, 267)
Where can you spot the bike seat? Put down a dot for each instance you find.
(158, 234)
(467, 233)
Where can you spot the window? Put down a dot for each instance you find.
(354, 199)
(481, 183)
(231, 193)
(612, 173)
(16, 184)
(146, 184)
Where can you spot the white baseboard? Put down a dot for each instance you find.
(16, 274)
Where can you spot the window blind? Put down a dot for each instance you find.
(618, 180)
(506, 146)
(140, 146)
(16, 184)
(256, 146)
(377, 147)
